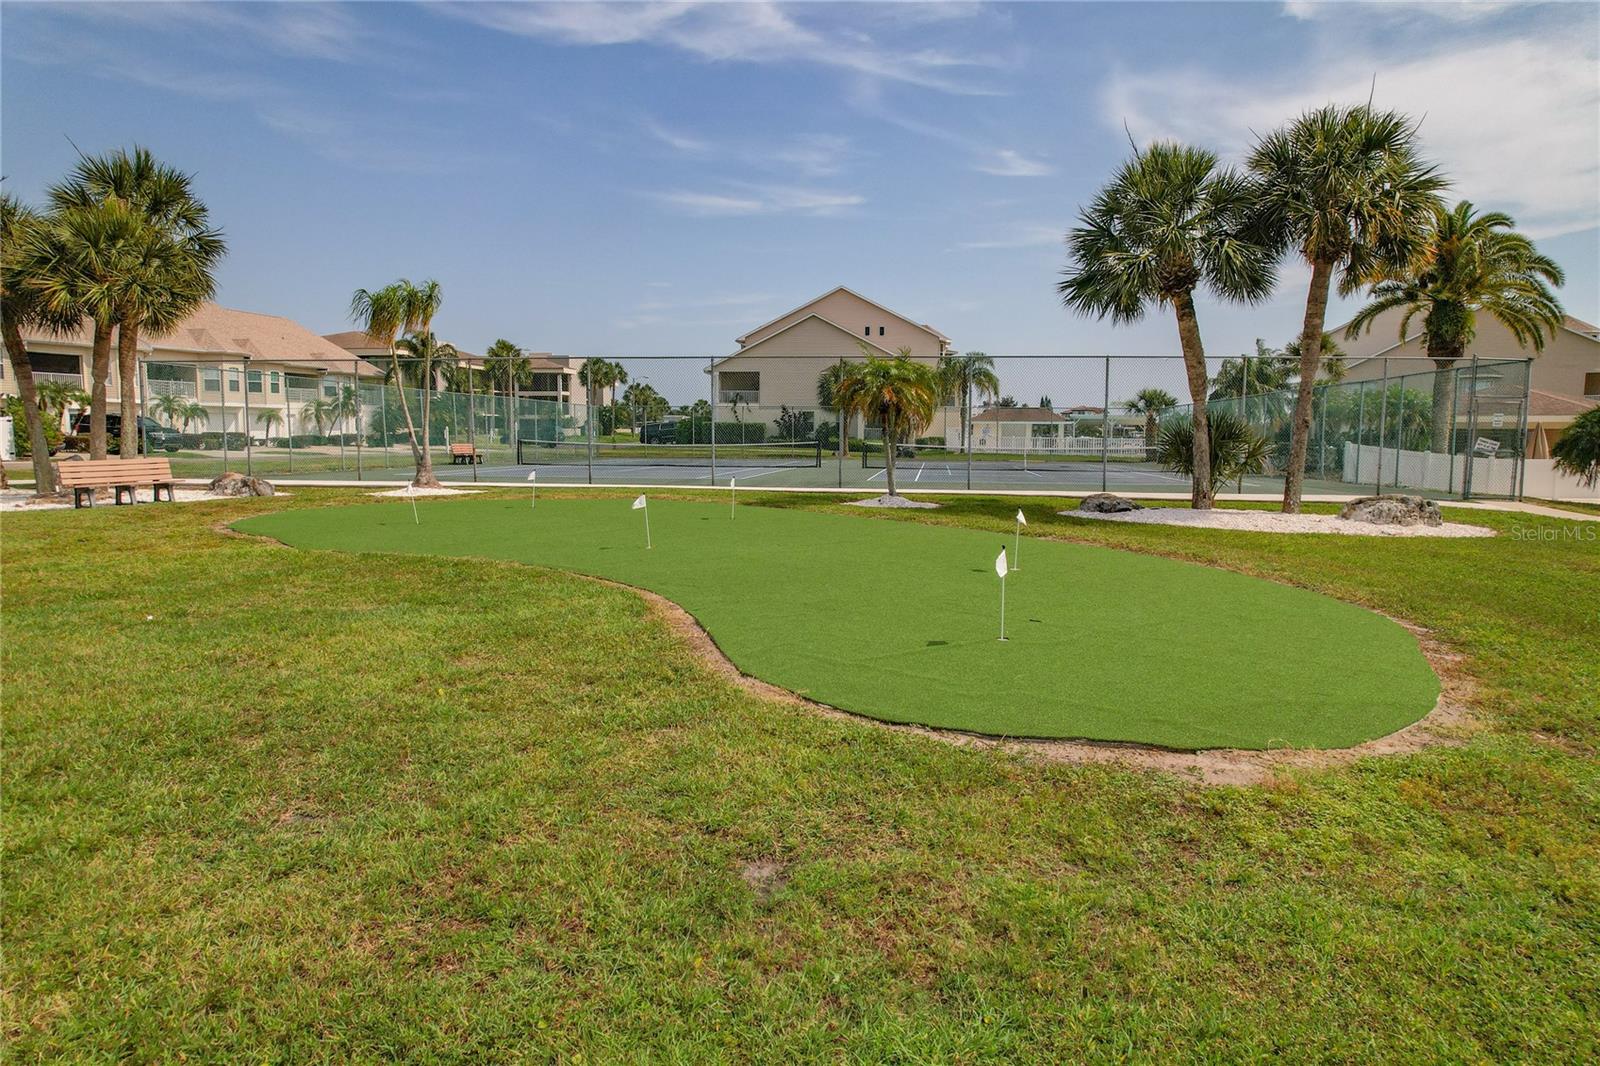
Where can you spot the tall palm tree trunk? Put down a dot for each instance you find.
(405, 409)
(44, 476)
(425, 477)
(99, 371)
(128, 371)
(1310, 363)
(1194, 365)
(1441, 427)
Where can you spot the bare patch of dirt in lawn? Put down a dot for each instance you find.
(1448, 722)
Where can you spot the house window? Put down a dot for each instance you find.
(1591, 386)
(276, 381)
(739, 386)
(880, 331)
(49, 367)
(233, 381)
(211, 379)
(330, 388)
(866, 331)
(253, 380)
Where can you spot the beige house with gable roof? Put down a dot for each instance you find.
(778, 363)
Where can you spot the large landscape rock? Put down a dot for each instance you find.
(1392, 510)
(235, 484)
(1108, 503)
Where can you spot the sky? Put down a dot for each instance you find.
(634, 179)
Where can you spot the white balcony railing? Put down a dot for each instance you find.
(165, 387)
(740, 396)
(41, 376)
(298, 395)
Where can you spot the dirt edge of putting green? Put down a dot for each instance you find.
(1445, 724)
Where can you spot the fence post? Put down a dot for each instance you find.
(711, 372)
(355, 386)
(1105, 428)
(1361, 417)
(1322, 438)
(1450, 448)
(288, 421)
(472, 420)
(1472, 431)
(1383, 422)
(222, 391)
(249, 440)
(1520, 475)
(970, 432)
(1399, 431)
(143, 381)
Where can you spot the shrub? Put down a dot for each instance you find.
(1578, 451)
(19, 428)
(1237, 449)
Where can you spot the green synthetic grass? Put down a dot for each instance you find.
(899, 621)
(267, 805)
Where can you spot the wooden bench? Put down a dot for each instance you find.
(465, 453)
(119, 475)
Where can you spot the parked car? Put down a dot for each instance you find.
(153, 436)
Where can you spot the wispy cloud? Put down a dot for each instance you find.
(811, 155)
(1445, 10)
(747, 199)
(1510, 120)
(1032, 235)
(752, 32)
(1008, 163)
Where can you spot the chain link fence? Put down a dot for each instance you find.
(1054, 424)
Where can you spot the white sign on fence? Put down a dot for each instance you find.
(1485, 446)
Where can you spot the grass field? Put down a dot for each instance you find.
(899, 621)
(275, 805)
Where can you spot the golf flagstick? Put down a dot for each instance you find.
(733, 495)
(1000, 568)
(533, 485)
(411, 490)
(641, 504)
(1016, 551)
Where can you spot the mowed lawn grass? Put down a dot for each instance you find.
(900, 620)
(264, 804)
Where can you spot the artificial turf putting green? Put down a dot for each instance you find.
(899, 621)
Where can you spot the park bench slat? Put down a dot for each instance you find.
(465, 453)
(83, 477)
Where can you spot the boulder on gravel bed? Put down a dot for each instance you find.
(1108, 503)
(1392, 510)
(235, 484)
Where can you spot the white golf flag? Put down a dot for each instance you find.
(639, 503)
(1000, 568)
(1000, 563)
(1021, 517)
(533, 489)
(533, 475)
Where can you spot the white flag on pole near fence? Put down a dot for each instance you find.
(533, 475)
(1021, 517)
(1000, 563)
(639, 503)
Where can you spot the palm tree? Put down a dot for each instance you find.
(1152, 403)
(1237, 448)
(1333, 365)
(385, 314)
(194, 413)
(56, 396)
(1470, 263)
(269, 420)
(171, 273)
(827, 390)
(74, 265)
(319, 412)
(429, 356)
(21, 307)
(645, 402)
(1345, 188)
(1260, 378)
(170, 407)
(346, 403)
(1578, 451)
(900, 393)
(1169, 223)
(506, 366)
(962, 378)
(598, 375)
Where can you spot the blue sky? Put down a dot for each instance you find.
(656, 179)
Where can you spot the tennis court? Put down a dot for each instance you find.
(899, 620)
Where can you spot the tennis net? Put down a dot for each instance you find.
(1062, 455)
(799, 453)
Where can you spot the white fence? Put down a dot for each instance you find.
(1432, 472)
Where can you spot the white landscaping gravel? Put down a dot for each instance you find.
(24, 501)
(893, 501)
(1275, 522)
(408, 491)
